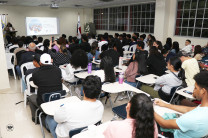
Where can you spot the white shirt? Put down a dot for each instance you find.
(40, 46)
(81, 114)
(167, 81)
(187, 48)
(90, 41)
(146, 47)
(68, 73)
(191, 68)
(100, 44)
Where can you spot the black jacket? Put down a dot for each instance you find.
(156, 64)
(48, 79)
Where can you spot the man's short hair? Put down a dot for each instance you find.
(92, 86)
(64, 36)
(85, 37)
(202, 79)
(182, 53)
(20, 44)
(134, 38)
(36, 57)
(140, 44)
(34, 37)
(40, 39)
(164, 51)
(188, 41)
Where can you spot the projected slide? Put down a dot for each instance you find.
(42, 25)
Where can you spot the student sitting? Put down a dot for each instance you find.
(48, 79)
(194, 121)
(93, 52)
(156, 62)
(81, 114)
(84, 44)
(79, 61)
(188, 47)
(135, 68)
(62, 57)
(175, 48)
(139, 122)
(111, 53)
(166, 82)
(190, 66)
(198, 52)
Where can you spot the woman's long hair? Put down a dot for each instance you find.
(176, 46)
(142, 111)
(197, 50)
(94, 48)
(64, 50)
(46, 44)
(142, 63)
(107, 65)
(176, 63)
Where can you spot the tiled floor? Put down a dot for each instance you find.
(20, 117)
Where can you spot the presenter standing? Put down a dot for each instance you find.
(10, 32)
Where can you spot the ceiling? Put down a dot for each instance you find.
(72, 3)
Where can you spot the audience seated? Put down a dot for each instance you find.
(142, 38)
(107, 65)
(92, 39)
(78, 62)
(190, 66)
(188, 46)
(35, 39)
(139, 122)
(46, 44)
(136, 68)
(84, 44)
(48, 79)
(168, 44)
(133, 41)
(117, 46)
(60, 41)
(81, 114)
(74, 45)
(111, 53)
(156, 62)
(62, 57)
(194, 121)
(21, 48)
(175, 48)
(128, 39)
(102, 42)
(14, 45)
(198, 52)
(40, 43)
(94, 52)
(166, 82)
(158, 45)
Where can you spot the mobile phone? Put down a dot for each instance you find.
(188, 92)
(52, 38)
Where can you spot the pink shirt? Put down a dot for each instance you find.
(122, 129)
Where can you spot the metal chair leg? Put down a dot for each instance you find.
(41, 125)
(116, 97)
(36, 115)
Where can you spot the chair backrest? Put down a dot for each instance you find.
(9, 57)
(126, 47)
(27, 79)
(174, 89)
(78, 130)
(24, 67)
(133, 48)
(12, 48)
(52, 96)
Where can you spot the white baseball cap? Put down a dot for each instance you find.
(45, 59)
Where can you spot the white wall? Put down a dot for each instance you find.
(4, 79)
(67, 17)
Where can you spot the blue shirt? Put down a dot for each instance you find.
(90, 56)
(193, 124)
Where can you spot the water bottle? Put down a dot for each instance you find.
(192, 48)
(121, 78)
(89, 68)
(93, 59)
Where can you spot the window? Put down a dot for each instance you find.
(101, 19)
(192, 18)
(118, 18)
(142, 18)
(135, 18)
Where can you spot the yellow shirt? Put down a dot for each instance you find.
(191, 68)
